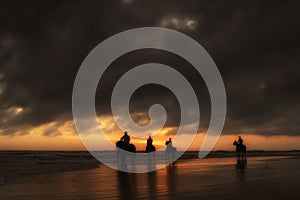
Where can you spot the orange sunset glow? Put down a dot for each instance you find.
(65, 137)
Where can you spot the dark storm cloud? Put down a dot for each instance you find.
(254, 44)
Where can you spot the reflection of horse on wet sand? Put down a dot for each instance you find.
(150, 150)
(123, 150)
(241, 155)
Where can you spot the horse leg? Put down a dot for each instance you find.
(167, 156)
(238, 163)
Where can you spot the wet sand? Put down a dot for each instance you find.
(212, 178)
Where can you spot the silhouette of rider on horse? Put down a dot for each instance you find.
(150, 147)
(241, 153)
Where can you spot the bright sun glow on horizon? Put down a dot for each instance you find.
(63, 136)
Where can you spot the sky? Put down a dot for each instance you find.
(255, 45)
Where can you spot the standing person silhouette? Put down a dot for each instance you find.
(125, 138)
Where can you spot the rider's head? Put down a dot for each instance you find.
(125, 133)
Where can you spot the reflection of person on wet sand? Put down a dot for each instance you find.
(241, 153)
(172, 179)
(127, 185)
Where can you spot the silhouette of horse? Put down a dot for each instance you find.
(240, 149)
(241, 154)
(123, 154)
(150, 148)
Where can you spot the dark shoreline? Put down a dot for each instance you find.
(186, 155)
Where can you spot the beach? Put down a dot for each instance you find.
(265, 177)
